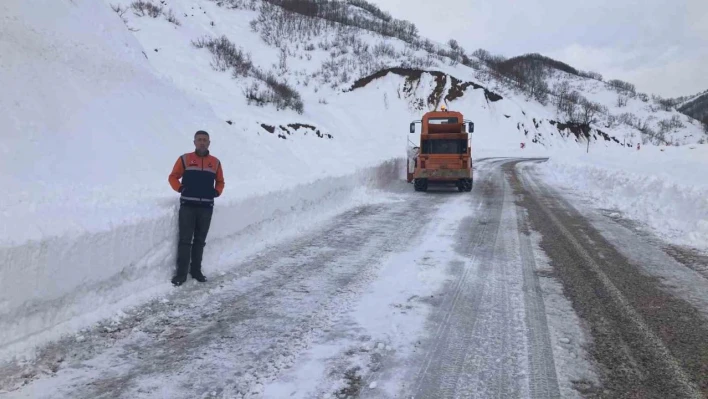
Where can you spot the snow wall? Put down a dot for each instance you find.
(66, 282)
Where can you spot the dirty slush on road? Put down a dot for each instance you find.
(647, 342)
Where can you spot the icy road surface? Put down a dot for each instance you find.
(505, 292)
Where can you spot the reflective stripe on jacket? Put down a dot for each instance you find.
(202, 178)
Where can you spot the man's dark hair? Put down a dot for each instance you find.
(200, 132)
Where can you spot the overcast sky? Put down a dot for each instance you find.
(659, 45)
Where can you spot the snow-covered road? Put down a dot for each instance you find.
(501, 292)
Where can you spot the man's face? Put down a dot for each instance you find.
(201, 143)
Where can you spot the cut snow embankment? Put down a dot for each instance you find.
(90, 133)
(664, 188)
(63, 283)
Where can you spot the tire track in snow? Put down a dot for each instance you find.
(494, 357)
(425, 378)
(543, 379)
(489, 337)
(478, 346)
(649, 343)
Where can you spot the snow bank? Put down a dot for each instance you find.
(64, 283)
(663, 187)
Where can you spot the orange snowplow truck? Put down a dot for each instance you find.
(444, 155)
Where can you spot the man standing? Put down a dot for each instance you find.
(202, 181)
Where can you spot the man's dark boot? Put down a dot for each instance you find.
(176, 281)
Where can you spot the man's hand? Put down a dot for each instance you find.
(181, 188)
(216, 193)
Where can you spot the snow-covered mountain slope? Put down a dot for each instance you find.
(582, 97)
(318, 59)
(683, 100)
(696, 107)
(629, 114)
(100, 98)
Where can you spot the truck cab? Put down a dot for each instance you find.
(443, 154)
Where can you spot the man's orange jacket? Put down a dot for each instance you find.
(202, 179)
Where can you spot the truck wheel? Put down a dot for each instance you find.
(461, 185)
(468, 185)
(421, 184)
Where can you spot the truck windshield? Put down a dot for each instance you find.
(444, 147)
